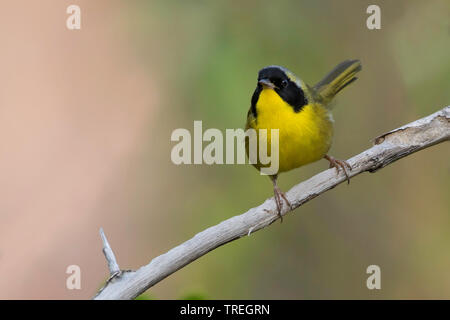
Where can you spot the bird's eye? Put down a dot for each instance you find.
(284, 83)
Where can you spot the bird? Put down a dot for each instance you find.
(302, 114)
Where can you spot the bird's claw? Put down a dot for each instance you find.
(278, 196)
(340, 164)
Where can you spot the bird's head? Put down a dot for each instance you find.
(284, 83)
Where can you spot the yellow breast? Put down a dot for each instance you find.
(304, 137)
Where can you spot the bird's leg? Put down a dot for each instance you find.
(338, 164)
(278, 194)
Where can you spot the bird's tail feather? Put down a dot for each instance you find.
(340, 77)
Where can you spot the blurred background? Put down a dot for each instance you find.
(86, 118)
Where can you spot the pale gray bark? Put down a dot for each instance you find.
(388, 148)
(113, 266)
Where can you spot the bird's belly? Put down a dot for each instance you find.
(299, 149)
(304, 137)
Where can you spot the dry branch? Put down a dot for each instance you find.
(388, 148)
(113, 266)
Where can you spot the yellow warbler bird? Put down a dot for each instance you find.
(301, 113)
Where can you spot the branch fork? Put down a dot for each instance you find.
(115, 272)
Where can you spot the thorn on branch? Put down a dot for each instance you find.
(113, 267)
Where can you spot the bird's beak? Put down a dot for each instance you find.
(266, 83)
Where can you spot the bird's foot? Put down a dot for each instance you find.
(339, 164)
(278, 196)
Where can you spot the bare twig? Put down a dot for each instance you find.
(388, 148)
(109, 255)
